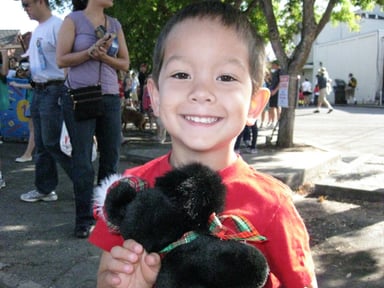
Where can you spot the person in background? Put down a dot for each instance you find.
(24, 73)
(136, 102)
(274, 112)
(316, 93)
(265, 114)
(249, 136)
(87, 55)
(46, 112)
(323, 83)
(4, 66)
(127, 86)
(208, 67)
(13, 65)
(142, 77)
(306, 88)
(350, 89)
(120, 80)
(146, 105)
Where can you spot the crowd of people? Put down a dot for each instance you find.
(317, 94)
(218, 108)
(82, 67)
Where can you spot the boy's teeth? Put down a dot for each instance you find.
(205, 120)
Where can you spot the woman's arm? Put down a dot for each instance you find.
(66, 38)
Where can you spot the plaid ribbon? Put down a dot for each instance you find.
(186, 238)
(135, 182)
(245, 231)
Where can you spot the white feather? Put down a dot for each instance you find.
(100, 191)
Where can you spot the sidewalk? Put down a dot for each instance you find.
(361, 178)
(39, 251)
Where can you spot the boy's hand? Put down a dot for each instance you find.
(128, 266)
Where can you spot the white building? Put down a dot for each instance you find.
(342, 52)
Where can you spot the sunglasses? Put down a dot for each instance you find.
(24, 66)
(25, 5)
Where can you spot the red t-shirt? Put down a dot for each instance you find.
(265, 202)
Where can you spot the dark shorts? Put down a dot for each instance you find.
(273, 101)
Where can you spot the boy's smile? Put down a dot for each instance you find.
(204, 86)
(203, 120)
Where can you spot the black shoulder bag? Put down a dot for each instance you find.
(87, 101)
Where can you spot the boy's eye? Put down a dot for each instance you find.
(181, 75)
(226, 78)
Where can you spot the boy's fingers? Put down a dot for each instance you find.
(133, 246)
(112, 279)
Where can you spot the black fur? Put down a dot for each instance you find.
(182, 201)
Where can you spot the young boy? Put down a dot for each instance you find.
(208, 68)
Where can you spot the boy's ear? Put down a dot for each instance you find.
(259, 100)
(154, 95)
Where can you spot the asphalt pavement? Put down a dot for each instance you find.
(338, 155)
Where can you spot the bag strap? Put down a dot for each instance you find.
(98, 81)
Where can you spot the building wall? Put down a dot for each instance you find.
(343, 51)
(360, 55)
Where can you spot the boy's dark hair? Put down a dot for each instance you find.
(229, 17)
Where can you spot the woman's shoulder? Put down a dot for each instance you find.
(114, 24)
(75, 16)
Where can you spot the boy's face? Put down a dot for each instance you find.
(205, 87)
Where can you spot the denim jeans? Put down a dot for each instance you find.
(107, 130)
(47, 119)
(248, 133)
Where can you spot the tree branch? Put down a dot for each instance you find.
(326, 16)
(273, 31)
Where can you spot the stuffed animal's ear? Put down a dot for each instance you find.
(119, 195)
(196, 189)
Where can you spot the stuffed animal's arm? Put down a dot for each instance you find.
(128, 266)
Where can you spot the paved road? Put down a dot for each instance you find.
(356, 135)
(348, 130)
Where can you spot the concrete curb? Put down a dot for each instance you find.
(277, 164)
(340, 193)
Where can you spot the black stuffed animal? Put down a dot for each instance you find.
(180, 207)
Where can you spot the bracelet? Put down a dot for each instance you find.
(90, 50)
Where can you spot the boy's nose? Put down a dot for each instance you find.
(202, 93)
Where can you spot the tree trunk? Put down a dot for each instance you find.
(287, 117)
